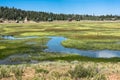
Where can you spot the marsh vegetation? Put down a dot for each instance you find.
(80, 35)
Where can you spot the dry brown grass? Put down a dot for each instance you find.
(59, 70)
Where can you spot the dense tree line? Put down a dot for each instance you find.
(18, 14)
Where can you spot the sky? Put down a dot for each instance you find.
(96, 7)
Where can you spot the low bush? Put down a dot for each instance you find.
(4, 72)
(41, 71)
(86, 72)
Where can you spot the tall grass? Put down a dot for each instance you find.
(4, 72)
(18, 72)
(58, 70)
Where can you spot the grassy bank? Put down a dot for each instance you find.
(92, 44)
(70, 57)
(26, 46)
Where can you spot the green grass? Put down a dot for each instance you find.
(41, 71)
(72, 57)
(63, 28)
(10, 47)
(90, 44)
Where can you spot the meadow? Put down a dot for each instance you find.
(80, 35)
(102, 35)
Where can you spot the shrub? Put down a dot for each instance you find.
(57, 75)
(4, 72)
(100, 77)
(86, 72)
(18, 71)
(38, 70)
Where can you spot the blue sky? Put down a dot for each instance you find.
(97, 7)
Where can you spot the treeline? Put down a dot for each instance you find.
(18, 14)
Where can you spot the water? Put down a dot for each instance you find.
(14, 38)
(18, 59)
(54, 45)
(8, 37)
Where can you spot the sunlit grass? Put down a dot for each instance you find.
(81, 35)
(96, 44)
(37, 34)
(56, 66)
(2, 47)
(60, 71)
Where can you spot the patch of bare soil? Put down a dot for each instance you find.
(114, 77)
(28, 74)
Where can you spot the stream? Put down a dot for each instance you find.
(54, 45)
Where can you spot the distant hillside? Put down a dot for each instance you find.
(18, 14)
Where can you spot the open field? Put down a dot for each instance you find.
(95, 30)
